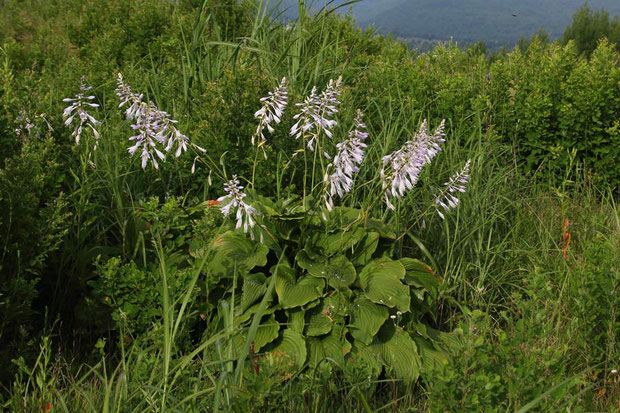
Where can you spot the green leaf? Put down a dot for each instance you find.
(254, 288)
(339, 218)
(333, 346)
(295, 293)
(287, 227)
(365, 249)
(419, 274)
(366, 319)
(338, 270)
(398, 352)
(233, 250)
(247, 314)
(330, 244)
(381, 281)
(296, 319)
(432, 359)
(381, 227)
(290, 347)
(313, 262)
(266, 333)
(367, 358)
(320, 321)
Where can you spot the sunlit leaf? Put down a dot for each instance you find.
(333, 346)
(366, 319)
(381, 281)
(234, 251)
(419, 274)
(290, 348)
(294, 292)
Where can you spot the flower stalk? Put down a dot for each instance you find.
(401, 169)
(77, 110)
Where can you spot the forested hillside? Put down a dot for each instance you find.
(495, 22)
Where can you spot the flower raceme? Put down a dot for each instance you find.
(327, 106)
(401, 169)
(25, 127)
(234, 199)
(157, 134)
(315, 113)
(271, 111)
(305, 117)
(77, 110)
(447, 198)
(350, 154)
(155, 128)
(126, 95)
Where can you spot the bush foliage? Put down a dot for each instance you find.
(498, 306)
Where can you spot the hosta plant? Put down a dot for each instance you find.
(317, 284)
(332, 292)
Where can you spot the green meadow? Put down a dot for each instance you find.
(205, 207)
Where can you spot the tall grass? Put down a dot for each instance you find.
(501, 253)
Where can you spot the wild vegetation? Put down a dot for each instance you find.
(496, 23)
(205, 209)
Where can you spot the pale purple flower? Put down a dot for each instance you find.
(25, 127)
(327, 106)
(305, 117)
(77, 109)
(147, 140)
(234, 198)
(401, 169)
(156, 128)
(350, 154)
(448, 197)
(315, 113)
(125, 95)
(271, 111)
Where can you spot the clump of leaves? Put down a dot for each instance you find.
(327, 290)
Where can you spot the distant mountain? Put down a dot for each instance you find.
(496, 22)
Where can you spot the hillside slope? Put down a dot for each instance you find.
(495, 22)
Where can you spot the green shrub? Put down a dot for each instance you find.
(593, 309)
(335, 294)
(496, 368)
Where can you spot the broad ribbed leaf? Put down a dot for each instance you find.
(338, 271)
(266, 333)
(235, 251)
(320, 320)
(363, 251)
(294, 292)
(432, 359)
(381, 281)
(381, 227)
(333, 346)
(287, 227)
(366, 358)
(311, 261)
(331, 244)
(296, 319)
(339, 218)
(254, 287)
(251, 310)
(366, 319)
(398, 351)
(290, 348)
(419, 274)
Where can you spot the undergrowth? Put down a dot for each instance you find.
(123, 287)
